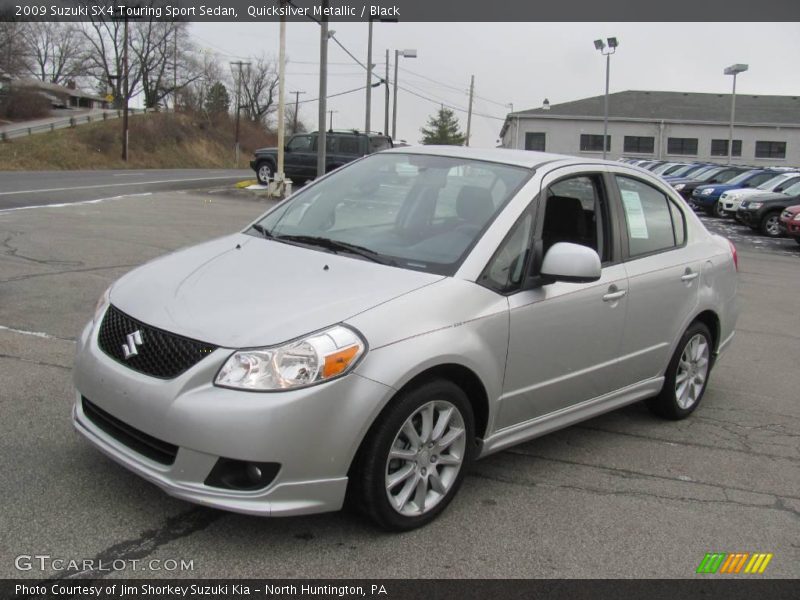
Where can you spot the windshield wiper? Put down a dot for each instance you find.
(337, 246)
(262, 230)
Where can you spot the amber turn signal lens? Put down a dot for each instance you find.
(338, 361)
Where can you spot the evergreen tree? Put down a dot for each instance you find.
(217, 101)
(443, 129)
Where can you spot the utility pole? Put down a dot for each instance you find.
(367, 123)
(394, 99)
(296, 109)
(126, 93)
(323, 89)
(386, 83)
(330, 120)
(238, 64)
(469, 112)
(280, 176)
(175, 69)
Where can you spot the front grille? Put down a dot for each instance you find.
(139, 441)
(159, 353)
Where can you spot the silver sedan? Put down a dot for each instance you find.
(418, 309)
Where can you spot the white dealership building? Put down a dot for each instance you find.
(679, 126)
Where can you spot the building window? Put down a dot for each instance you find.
(594, 143)
(639, 145)
(720, 148)
(770, 149)
(686, 146)
(534, 141)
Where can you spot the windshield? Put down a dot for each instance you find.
(709, 174)
(771, 184)
(414, 211)
(741, 178)
(685, 170)
(793, 190)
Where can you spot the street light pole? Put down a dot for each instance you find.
(369, 79)
(733, 70)
(386, 107)
(397, 55)
(323, 89)
(606, 51)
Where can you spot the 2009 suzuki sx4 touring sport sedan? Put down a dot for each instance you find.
(376, 332)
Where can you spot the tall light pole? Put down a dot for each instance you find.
(280, 176)
(368, 117)
(606, 51)
(733, 70)
(324, 35)
(397, 55)
(386, 106)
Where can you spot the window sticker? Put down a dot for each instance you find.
(637, 225)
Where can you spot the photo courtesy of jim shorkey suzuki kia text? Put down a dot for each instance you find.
(194, 589)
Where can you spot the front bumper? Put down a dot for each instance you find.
(313, 433)
(790, 227)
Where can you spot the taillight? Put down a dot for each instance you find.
(735, 256)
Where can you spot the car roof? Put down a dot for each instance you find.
(520, 158)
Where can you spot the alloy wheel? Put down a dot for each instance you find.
(772, 226)
(692, 371)
(425, 458)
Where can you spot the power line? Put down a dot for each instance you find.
(358, 89)
(458, 108)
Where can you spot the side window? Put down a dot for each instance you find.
(575, 212)
(300, 143)
(376, 144)
(505, 271)
(654, 222)
(348, 145)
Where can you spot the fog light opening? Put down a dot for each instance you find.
(234, 474)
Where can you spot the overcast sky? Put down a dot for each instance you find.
(519, 63)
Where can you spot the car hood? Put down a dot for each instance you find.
(269, 150)
(771, 197)
(239, 291)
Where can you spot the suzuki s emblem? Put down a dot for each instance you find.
(134, 339)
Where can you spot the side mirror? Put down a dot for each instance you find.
(286, 148)
(571, 262)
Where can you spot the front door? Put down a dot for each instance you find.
(565, 338)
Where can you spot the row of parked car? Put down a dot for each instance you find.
(767, 199)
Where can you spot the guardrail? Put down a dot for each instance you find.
(24, 130)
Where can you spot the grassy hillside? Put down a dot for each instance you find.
(156, 141)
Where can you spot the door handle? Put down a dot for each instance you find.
(689, 275)
(614, 294)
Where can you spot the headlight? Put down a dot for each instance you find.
(679, 186)
(796, 217)
(102, 304)
(755, 205)
(314, 359)
(707, 191)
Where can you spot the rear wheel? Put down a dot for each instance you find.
(414, 459)
(264, 172)
(687, 375)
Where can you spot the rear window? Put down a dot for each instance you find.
(376, 144)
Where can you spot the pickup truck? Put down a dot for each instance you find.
(300, 154)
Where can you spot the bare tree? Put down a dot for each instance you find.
(13, 52)
(105, 59)
(56, 51)
(260, 89)
(193, 95)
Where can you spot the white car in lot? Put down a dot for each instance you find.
(732, 199)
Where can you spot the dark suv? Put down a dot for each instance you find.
(300, 154)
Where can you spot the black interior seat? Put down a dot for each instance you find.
(564, 221)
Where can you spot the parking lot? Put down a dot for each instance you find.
(622, 495)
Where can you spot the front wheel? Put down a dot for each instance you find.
(414, 459)
(264, 172)
(771, 225)
(687, 375)
(719, 210)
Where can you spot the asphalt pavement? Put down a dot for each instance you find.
(622, 495)
(36, 188)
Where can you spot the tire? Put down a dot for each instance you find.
(770, 224)
(691, 362)
(264, 172)
(718, 210)
(416, 461)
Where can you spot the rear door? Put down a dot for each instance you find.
(663, 275)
